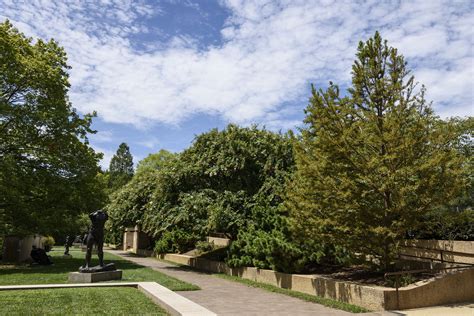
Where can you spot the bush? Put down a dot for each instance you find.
(204, 246)
(176, 241)
(265, 250)
(446, 224)
(48, 243)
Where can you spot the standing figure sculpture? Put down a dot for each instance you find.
(67, 244)
(96, 237)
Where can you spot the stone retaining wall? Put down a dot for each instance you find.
(454, 287)
(439, 250)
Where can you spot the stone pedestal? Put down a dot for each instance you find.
(77, 277)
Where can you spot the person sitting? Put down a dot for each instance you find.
(39, 256)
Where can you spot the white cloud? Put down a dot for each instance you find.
(270, 51)
(102, 137)
(107, 156)
(150, 143)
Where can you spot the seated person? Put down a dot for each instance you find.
(39, 256)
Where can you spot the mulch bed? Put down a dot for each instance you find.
(361, 274)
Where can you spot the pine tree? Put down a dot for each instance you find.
(121, 167)
(370, 164)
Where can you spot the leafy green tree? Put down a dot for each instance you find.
(127, 205)
(226, 182)
(155, 161)
(234, 163)
(454, 220)
(121, 167)
(372, 163)
(47, 168)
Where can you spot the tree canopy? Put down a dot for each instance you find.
(154, 161)
(47, 168)
(121, 167)
(372, 163)
(226, 182)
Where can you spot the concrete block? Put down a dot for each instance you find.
(219, 242)
(77, 277)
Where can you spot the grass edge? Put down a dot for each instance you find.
(328, 302)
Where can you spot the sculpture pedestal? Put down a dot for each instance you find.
(78, 277)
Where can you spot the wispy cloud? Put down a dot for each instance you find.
(150, 143)
(102, 137)
(270, 51)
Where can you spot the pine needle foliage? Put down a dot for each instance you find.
(121, 167)
(370, 164)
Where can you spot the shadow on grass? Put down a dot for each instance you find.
(65, 265)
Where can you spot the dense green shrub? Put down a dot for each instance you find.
(203, 246)
(447, 224)
(48, 243)
(224, 183)
(265, 249)
(176, 240)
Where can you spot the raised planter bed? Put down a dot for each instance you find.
(454, 287)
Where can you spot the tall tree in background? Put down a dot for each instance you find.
(47, 168)
(372, 163)
(121, 167)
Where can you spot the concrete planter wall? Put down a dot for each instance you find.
(219, 242)
(18, 249)
(451, 288)
(439, 250)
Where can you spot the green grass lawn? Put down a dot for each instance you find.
(58, 272)
(79, 301)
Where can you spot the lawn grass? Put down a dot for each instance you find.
(78, 301)
(303, 296)
(58, 272)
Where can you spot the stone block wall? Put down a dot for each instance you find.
(453, 287)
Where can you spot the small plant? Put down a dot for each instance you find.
(403, 280)
(48, 243)
(205, 246)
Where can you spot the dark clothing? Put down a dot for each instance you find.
(39, 256)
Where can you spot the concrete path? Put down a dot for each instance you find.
(225, 297)
(466, 309)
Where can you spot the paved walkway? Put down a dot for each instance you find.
(225, 297)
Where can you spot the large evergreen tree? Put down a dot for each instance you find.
(370, 164)
(121, 167)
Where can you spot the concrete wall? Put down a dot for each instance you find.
(454, 287)
(219, 242)
(18, 249)
(134, 239)
(439, 250)
(128, 238)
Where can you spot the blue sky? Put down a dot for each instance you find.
(160, 72)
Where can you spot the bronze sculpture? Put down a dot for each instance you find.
(96, 237)
(67, 244)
